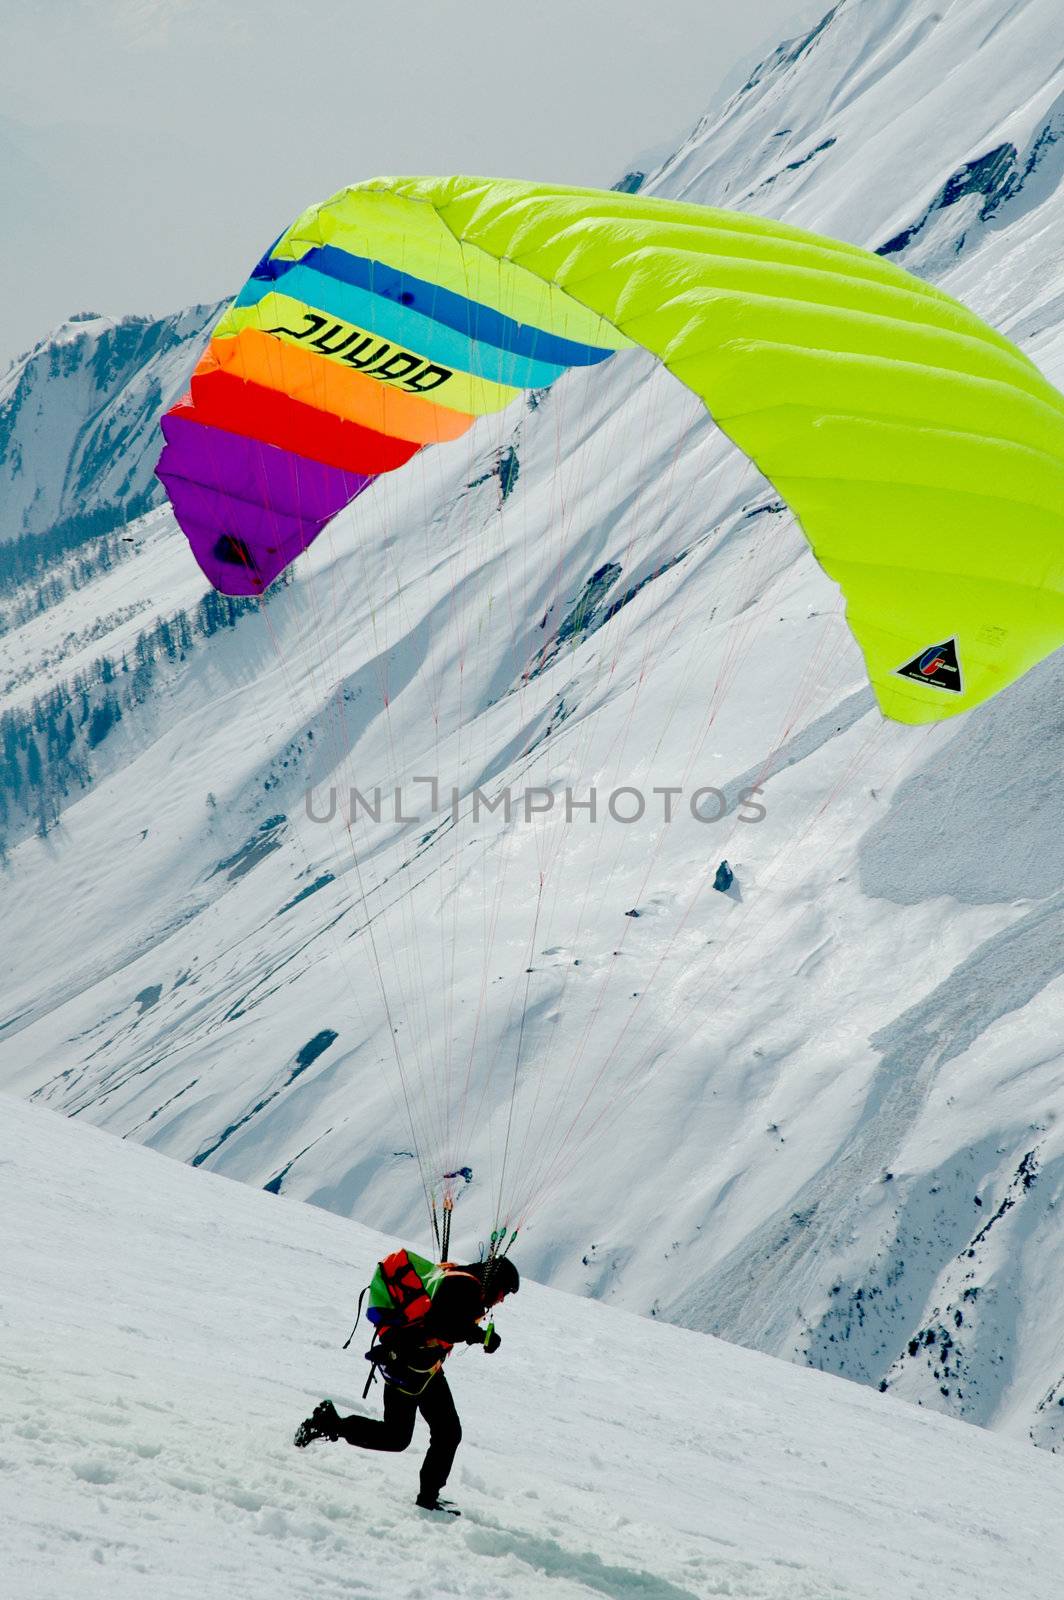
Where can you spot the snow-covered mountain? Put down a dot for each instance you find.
(819, 1115)
(79, 417)
(158, 1356)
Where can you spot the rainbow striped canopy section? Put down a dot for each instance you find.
(921, 451)
(368, 331)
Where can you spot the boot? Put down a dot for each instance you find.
(323, 1423)
(427, 1503)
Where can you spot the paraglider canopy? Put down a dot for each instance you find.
(922, 452)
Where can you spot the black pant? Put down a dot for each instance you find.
(436, 1405)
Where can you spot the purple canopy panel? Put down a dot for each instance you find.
(247, 508)
(256, 545)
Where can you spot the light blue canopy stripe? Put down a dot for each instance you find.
(470, 317)
(403, 326)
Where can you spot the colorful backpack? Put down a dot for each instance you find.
(402, 1290)
(401, 1293)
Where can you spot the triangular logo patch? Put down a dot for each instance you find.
(937, 665)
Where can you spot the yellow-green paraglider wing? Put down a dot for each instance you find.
(922, 453)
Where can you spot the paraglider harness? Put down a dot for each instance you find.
(401, 1293)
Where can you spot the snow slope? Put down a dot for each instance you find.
(820, 1116)
(160, 1350)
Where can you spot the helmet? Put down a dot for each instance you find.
(500, 1277)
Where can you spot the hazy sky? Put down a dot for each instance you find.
(150, 150)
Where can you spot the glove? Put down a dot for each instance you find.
(492, 1343)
